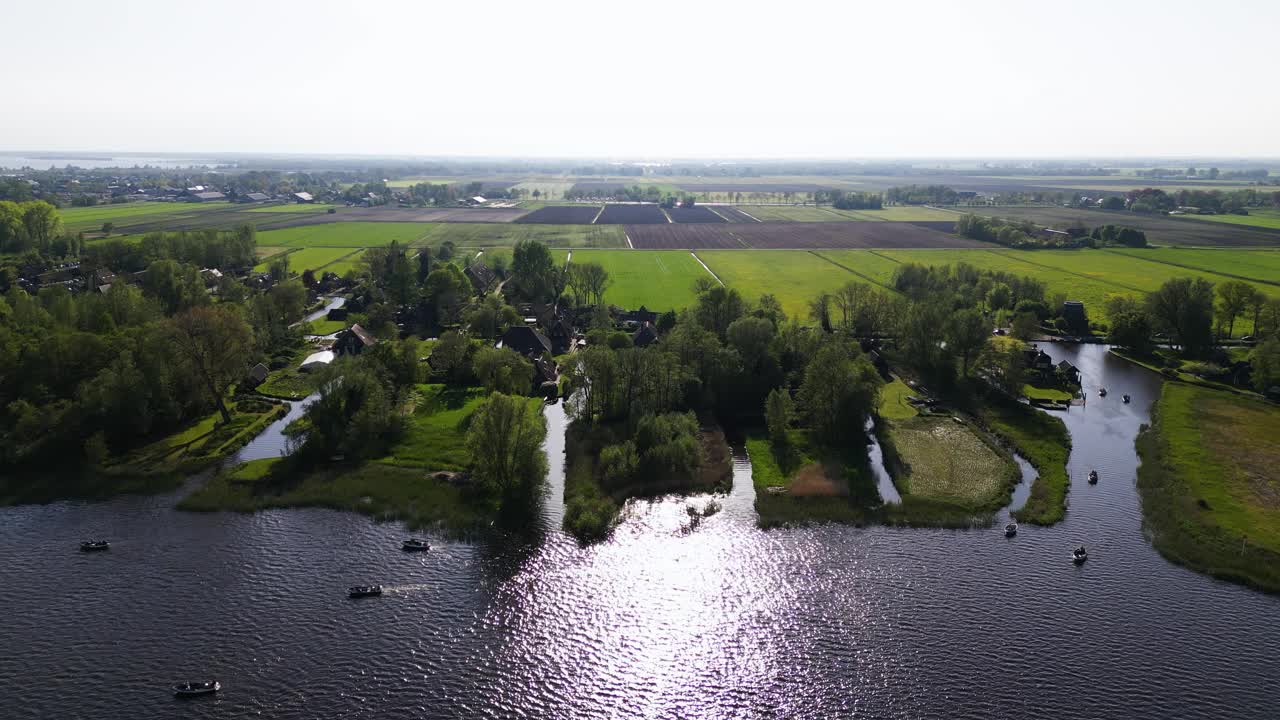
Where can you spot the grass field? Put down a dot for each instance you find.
(795, 277)
(436, 436)
(658, 279)
(893, 401)
(266, 251)
(1255, 218)
(346, 234)
(294, 208)
(549, 189)
(311, 258)
(76, 219)
(945, 461)
(481, 235)
(1208, 483)
(1259, 265)
(347, 263)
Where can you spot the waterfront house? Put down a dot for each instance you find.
(354, 340)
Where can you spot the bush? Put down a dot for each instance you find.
(618, 464)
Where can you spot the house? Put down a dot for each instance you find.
(1069, 373)
(637, 317)
(256, 375)
(1038, 362)
(645, 336)
(477, 200)
(481, 276)
(354, 340)
(525, 340)
(561, 336)
(338, 313)
(209, 196)
(304, 197)
(211, 276)
(100, 278)
(254, 198)
(317, 361)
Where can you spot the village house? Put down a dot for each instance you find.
(353, 341)
(1038, 363)
(645, 336)
(481, 276)
(208, 196)
(525, 340)
(256, 375)
(303, 197)
(254, 197)
(636, 318)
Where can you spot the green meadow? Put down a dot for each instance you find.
(346, 234)
(312, 258)
(77, 219)
(481, 235)
(658, 279)
(1255, 218)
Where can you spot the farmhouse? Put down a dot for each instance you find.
(254, 198)
(481, 276)
(209, 196)
(303, 197)
(645, 336)
(1038, 362)
(525, 340)
(637, 317)
(354, 340)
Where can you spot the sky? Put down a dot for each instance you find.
(658, 80)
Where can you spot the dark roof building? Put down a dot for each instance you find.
(353, 341)
(561, 336)
(1073, 312)
(525, 340)
(207, 196)
(255, 197)
(481, 276)
(639, 317)
(645, 336)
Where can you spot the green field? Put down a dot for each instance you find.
(1255, 218)
(658, 279)
(77, 219)
(1259, 265)
(795, 277)
(312, 258)
(549, 189)
(943, 460)
(341, 267)
(908, 213)
(436, 434)
(346, 234)
(294, 208)
(482, 235)
(1208, 484)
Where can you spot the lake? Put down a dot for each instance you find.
(725, 620)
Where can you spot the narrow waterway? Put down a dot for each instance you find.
(725, 620)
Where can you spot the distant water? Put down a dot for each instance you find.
(726, 621)
(45, 161)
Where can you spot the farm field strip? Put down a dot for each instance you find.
(1159, 230)
(795, 278)
(1135, 274)
(312, 258)
(346, 234)
(562, 215)
(1261, 266)
(294, 208)
(1256, 218)
(659, 280)
(342, 266)
(77, 219)
(614, 214)
(475, 235)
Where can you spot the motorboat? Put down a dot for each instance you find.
(92, 545)
(1011, 529)
(359, 591)
(1079, 555)
(1102, 392)
(1093, 477)
(196, 689)
(1126, 399)
(413, 544)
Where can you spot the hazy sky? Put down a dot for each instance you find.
(656, 80)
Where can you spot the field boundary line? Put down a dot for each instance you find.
(666, 215)
(886, 257)
(629, 245)
(744, 212)
(745, 244)
(597, 217)
(1064, 270)
(341, 258)
(713, 210)
(846, 268)
(705, 267)
(1192, 267)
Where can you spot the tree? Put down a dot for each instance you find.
(424, 265)
(1234, 297)
(107, 227)
(176, 285)
(451, 356)
(532, 268)
(751, 337)
(214, 342)
(717, 308)
(1130, 324)
(778, 410)
(1266, 365)
(1004, 367)
(999, 297)
(504, 371)
(1024, 326)
(967, 333)
(1183, 308)
(505, 441)
(839, 390)
(491, 317)
(353, 415)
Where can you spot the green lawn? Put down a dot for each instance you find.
(346, 234)
(1263, 218)
(76, 219)
(481, 235)
(347, 263)
(946, 461)
(311, 258)
(893, 401)
(1209, 485)
(436, 437)
(794, 276)
(327, 327)
(658, 279)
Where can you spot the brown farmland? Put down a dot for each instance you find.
(1160, 229)
(803, 236)
(632, 215)
(733, 214)
(563, 215)
(693, 215)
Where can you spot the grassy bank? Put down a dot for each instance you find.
(946, 471)
(1208, 484)
(382, 491)
(1044, 441)
(801, 485)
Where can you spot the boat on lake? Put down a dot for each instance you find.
(1079, 555)
(1093, 477)
(196, 689)
(415, 544)
(1102, 392)
(1126, 399)
(92, 545)
(359, 591)
(1011, 529)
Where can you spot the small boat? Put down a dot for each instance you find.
(91, 545)
(414, 544)
(359, 591)
(196, 689)
(1093, 477)
(1011, 529)
(1102, 392)
(1126, 399)
(1078, 556)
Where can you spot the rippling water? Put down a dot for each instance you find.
(721, 621)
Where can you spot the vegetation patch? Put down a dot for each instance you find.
(1044, 441)
(1210, 495)
(800, 485)
(659, 280)
(945, 460)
